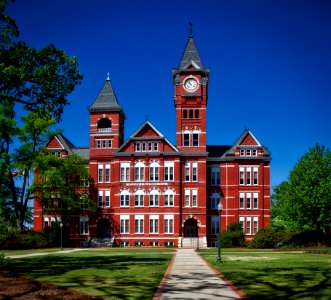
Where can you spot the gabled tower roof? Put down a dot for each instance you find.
(190, 55)
(106, 100)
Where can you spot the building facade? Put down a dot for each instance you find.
(150, 192)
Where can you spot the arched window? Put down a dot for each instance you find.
(139, 169)
(154, 168)
(169, 198)
(215, 199)
(186, 138)
(139, 198)
(104, 125)
(154, 198)
(125, 198)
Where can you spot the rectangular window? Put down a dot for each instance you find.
(153, 224)
(255, 200)
(255, 176)
(248, 225)
(241, 200)
(150, 146)
(255, 224)
(107, 173)
(187, 198)
(156, 146)
(83, 225)
(168, 171)
(100, 198)
(196, 113)
(139, 173)
(191, 113)
(184, 113)
(254, 152)
(242, 152)
(242, 223)
(143, 147)
(194, 198)
(195, 139)
(194, 172)
(103, 143)
(248, 200)
(100, 173)
(248, 152)
(109, 143)
(139, 224)
(107, 199)
(168, 224)
(187, 171)
(137, 147)
(154, 173)
(98, 143)
(124, 224)
(215, 176)
(139, 200)
(125, 172)
(186, 139)
(241, 176)
(248, 176)
(215, 225)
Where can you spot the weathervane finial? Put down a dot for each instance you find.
(191, 25)
(108, 74)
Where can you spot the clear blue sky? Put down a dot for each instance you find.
(270, 65)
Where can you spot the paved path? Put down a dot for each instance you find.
(190, 277)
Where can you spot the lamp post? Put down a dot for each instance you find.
(198, 226)
(61, 226)
(219, 208)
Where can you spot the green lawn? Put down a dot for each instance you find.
(30, 251)
(266, 274)
(112, 273)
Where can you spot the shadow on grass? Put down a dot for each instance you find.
(118, 277)
(304, 282)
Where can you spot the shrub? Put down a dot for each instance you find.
(233, 236)
(267, 238)
(3, 261)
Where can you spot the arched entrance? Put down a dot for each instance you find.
(103, 228)
(191, 228)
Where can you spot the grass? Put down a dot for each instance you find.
(267, 274)
(31, 251)
(112, 274)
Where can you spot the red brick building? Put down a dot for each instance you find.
(151, 192)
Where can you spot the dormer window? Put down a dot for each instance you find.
(104, 125)
(146, 146)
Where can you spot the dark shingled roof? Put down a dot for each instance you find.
(106, 100)
(217, 151)
(84, 153)
(190, 54)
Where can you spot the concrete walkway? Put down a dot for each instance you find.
(190, 277)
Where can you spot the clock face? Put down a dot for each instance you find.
(191, 84)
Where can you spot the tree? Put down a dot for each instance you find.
(62, 185)
(304, 201)
(39, 81)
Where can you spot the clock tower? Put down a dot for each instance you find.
(190, 81)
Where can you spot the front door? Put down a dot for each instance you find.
(191, 228)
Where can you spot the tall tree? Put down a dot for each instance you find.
(304, 201)
(39, 81)
(62, 185)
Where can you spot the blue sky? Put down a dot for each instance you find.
(270, 65)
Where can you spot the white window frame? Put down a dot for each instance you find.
(125, 172)
(255, 176)
(194, 198)
(107, 173)
(168, 224)
(139, 171)
(125, 199)
(154, 198)
(139, 224)
(187, 172)
(195, 172)
(186, 138)
(100, 173)
(241, 200)
(241, 176)
(154, 171)
(248, 200)
(248, 176)
(169, 198)
(107, 198)
(100, 198)
(187, 199)
(195, 138)
(124, 224)
(169, 171)
(154, 224)
(139, 198)
(248, 229)
(255, 200)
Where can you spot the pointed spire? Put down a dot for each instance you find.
(190, 53)
(106, 100)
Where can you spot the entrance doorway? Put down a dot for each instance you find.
(103, 228)
(191, 228)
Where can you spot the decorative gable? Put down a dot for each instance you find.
(249, 140)
(147, 131)
(54, 143)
